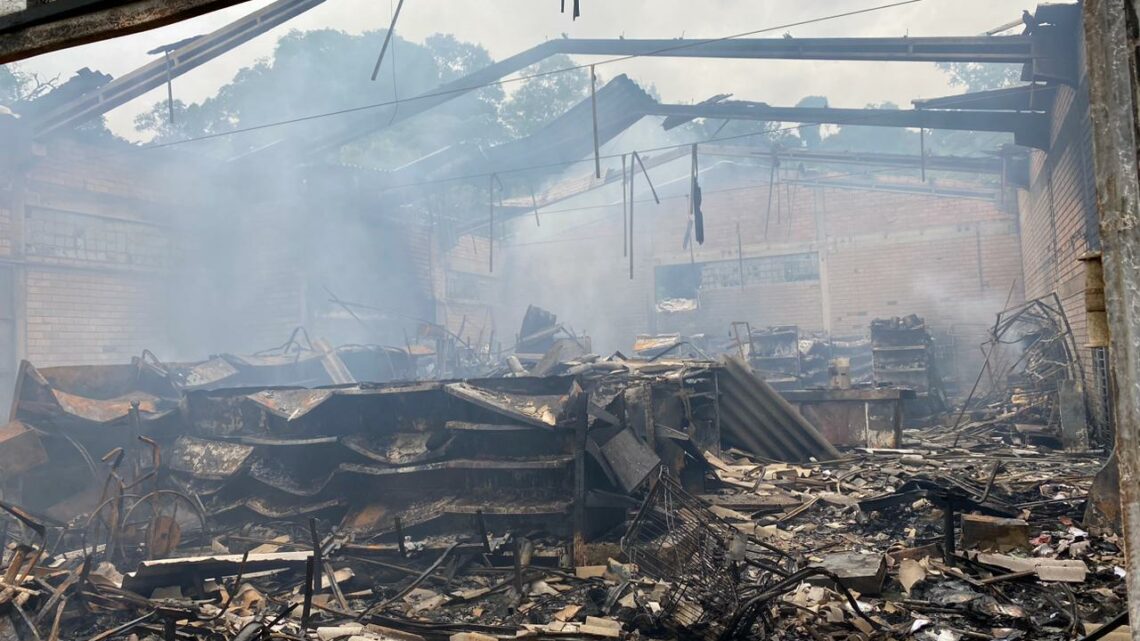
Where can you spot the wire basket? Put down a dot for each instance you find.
(676, 539)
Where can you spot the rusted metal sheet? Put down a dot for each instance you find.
(290, 404)
(213, 372)
(627, 458)
(538, 410)
(281, 475)
(211, 460)
(758, 419)
(20, 450)
(107, 411)
(549, 463)
(401, 448)
(85, 394)
(854, 417)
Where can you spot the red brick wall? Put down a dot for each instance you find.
(1058, 214)
(90, 243)
(105, 265)
(953, 260)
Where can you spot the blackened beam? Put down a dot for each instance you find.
(55, 25)
(189, 56)
(575, 187)
(1000, 49)
(924, 189)
(1031, 97)
(1029, 129)
(963, 164)
(1003, 49)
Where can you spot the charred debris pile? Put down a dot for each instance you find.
(569, 496)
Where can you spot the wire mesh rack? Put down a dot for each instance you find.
(675, 538)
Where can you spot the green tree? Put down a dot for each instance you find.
(9, 84)
(310, 73)
(981, 76)
(545, 95)
(810, 135)
(897, 140)
(325, 71)
(17, 86)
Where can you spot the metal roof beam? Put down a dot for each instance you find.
(1008, 49)
(1029, 129)
(193, 54)
(1002, 49)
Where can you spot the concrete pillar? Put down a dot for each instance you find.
(1112, 104)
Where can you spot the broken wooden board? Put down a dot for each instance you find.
(1060, 570)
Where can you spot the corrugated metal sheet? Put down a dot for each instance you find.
(759, 420)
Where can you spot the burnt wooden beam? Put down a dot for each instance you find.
(55, 25)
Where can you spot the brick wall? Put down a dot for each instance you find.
(467, 291)
(1058, 213)
(85, 317)
(5, 225)
(954, 260)
(108, 260)
(87, 243)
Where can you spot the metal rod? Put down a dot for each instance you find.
(169, 87)
(740, 258)
(310, 576)
(645, 172)
(632, 176)
(491, 225)
(316, 553)
(594, 109)
(400, 537)
(624, 214)
(771, 183)
(387, 39)
(534, 203)
(516, 552)
(922, 152)
(483, 531)
(948, 532)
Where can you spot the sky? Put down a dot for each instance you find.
(505, 27)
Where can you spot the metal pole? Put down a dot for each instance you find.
(387, 39)
(491, 225)
(1112, 88)
(594, 109)
(740, 254)
(632, 176)
(169, 88)
(624, 209)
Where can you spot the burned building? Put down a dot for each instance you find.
(761, 408)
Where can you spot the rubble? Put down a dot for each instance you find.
(608, 499)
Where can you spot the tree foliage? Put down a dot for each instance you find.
(18, 86)
(320, 72)
(543, 96)
(981, 76)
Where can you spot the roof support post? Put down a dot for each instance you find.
(1112, 104)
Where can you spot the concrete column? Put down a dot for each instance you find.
(1112, 104)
